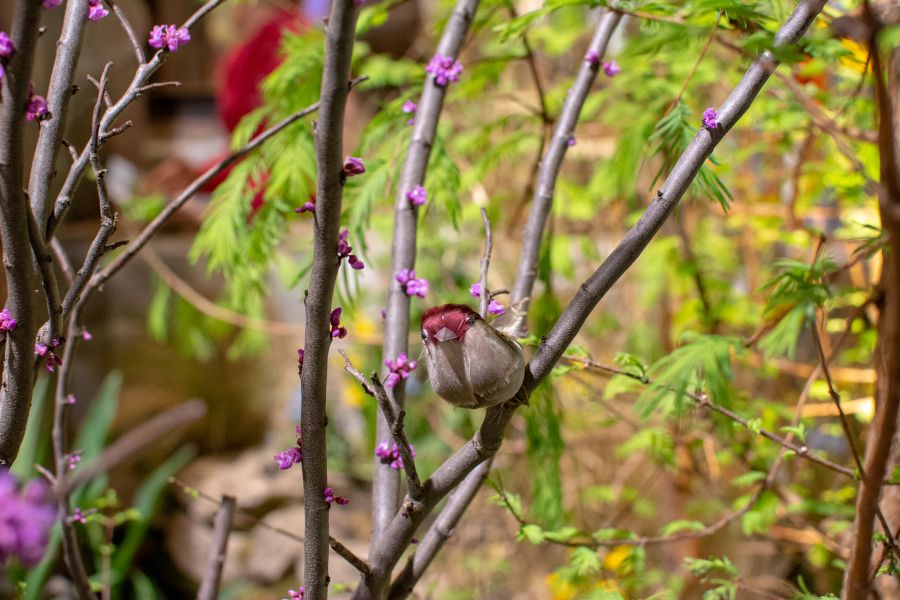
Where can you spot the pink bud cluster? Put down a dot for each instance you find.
(400, 369)
(412, 285)
(292, 455)
(344, 250)
(390, 454)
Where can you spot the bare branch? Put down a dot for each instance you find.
(68, 47)
(18, 366)
(136, 44)
(348, 555)
(339, 40)
(136, 441)
(385, 488)
(374, 388)
(485, 264)
(209, 587)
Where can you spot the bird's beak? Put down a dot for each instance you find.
(444, 334)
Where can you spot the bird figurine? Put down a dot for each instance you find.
(470, 363)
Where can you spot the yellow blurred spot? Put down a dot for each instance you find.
(560, 589)
(859, 55)
(615, 557)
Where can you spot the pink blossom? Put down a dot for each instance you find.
(289, 458)
(96, 10)
(611, 68)
(410, 107)
(592, 57)
(445, 69)
(36, 109)
(7, 323)
(710, 118)
(390, 454)
(48, 4)
(400, 369)
(6, 45)
(168, 37)
(344, 250)
(330, 498)
(410, 284)
(337, 331)
(309, 206)
(417, 196)
(495, 308)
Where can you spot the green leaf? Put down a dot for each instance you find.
(532, 533)
(749, 478)
(681, 525)
(585, 560)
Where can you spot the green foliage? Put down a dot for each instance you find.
(701, 364)
(707, 570)
(545, 448)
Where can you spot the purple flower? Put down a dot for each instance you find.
(288, 458)
(78, 516)
(36, 109)
(417, 196)
(2, 72)
(330, 498)
(6, 45)
(390, 454)
(592, 57)
(710, 118)
(48, 4)
(96, 10)
(73, 459)
(309, 206)
(26, 518)
(611, 68)
(43, 350)
(297, 594)
(7, 323)
(353, 166)
(400, 369)
(344, 250)
(411, 285)
(495, 308)
(571, 141)
(86, 335)
(336, 330)
(445, 69)
(70, 399)
(169, 37)
(409, 107)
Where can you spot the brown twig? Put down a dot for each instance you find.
(209, 587)
(485, 264)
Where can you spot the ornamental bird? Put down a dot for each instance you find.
(470, 363)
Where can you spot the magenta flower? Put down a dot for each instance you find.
(353, 166)
(86, 335)
(298, 594)
(710, 118)
(400, 369)
(445, 69)
(411, 285)
(6, 45)
(592, 57)
(48, 4)
(78, 516)
(73, 459)
(390, 455)
(336, 330)
(309, 206)
(571, 141)
(417, 196)
(611, 68)
(168, 37)
(7, 323)
(344, 250)
(26, 518)
(495, 308)
(289, 458)
(36, 109)
(409, 107)
(330, 498)
(70, 399)
(96, 10)
(43, 350)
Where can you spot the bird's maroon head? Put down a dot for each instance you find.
(447, 322)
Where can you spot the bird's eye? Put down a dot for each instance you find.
(470, 319)
(424, 335)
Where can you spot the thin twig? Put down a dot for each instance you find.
(44, 260)
(348, 555)
(62, 259)
(212, 576)
(136, 45)
(135, 441)
(374, 388)
(485, 264)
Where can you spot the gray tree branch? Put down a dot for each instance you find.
(385, 481)
(340, 36)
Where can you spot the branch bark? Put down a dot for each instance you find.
(209, 587)
(490, 435)
(542, 201)
(313, 382)
(857, 583)
(385, 481)
(18, 366)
